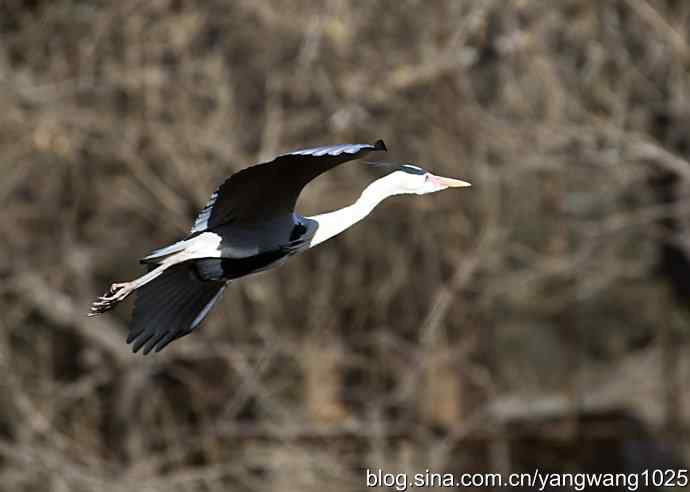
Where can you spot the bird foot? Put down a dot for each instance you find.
(116, 294)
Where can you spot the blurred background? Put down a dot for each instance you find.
(538, 319)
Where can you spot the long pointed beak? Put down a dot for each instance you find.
(448, 182)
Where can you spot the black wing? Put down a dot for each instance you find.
(171, 306)
(271, 189)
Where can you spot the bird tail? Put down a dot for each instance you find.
(171, 306)
(158, 255)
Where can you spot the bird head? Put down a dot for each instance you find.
(411, 179)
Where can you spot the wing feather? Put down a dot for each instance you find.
(271, 189)
(171, 306)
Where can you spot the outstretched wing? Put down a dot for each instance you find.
(171, 306)
(271, 189)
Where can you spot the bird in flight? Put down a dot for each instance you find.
(249, 225)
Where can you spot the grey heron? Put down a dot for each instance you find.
(249, 225)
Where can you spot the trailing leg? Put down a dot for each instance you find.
(118, 292)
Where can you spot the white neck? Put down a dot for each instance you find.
(333, 223)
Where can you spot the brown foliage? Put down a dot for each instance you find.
(388, 346)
